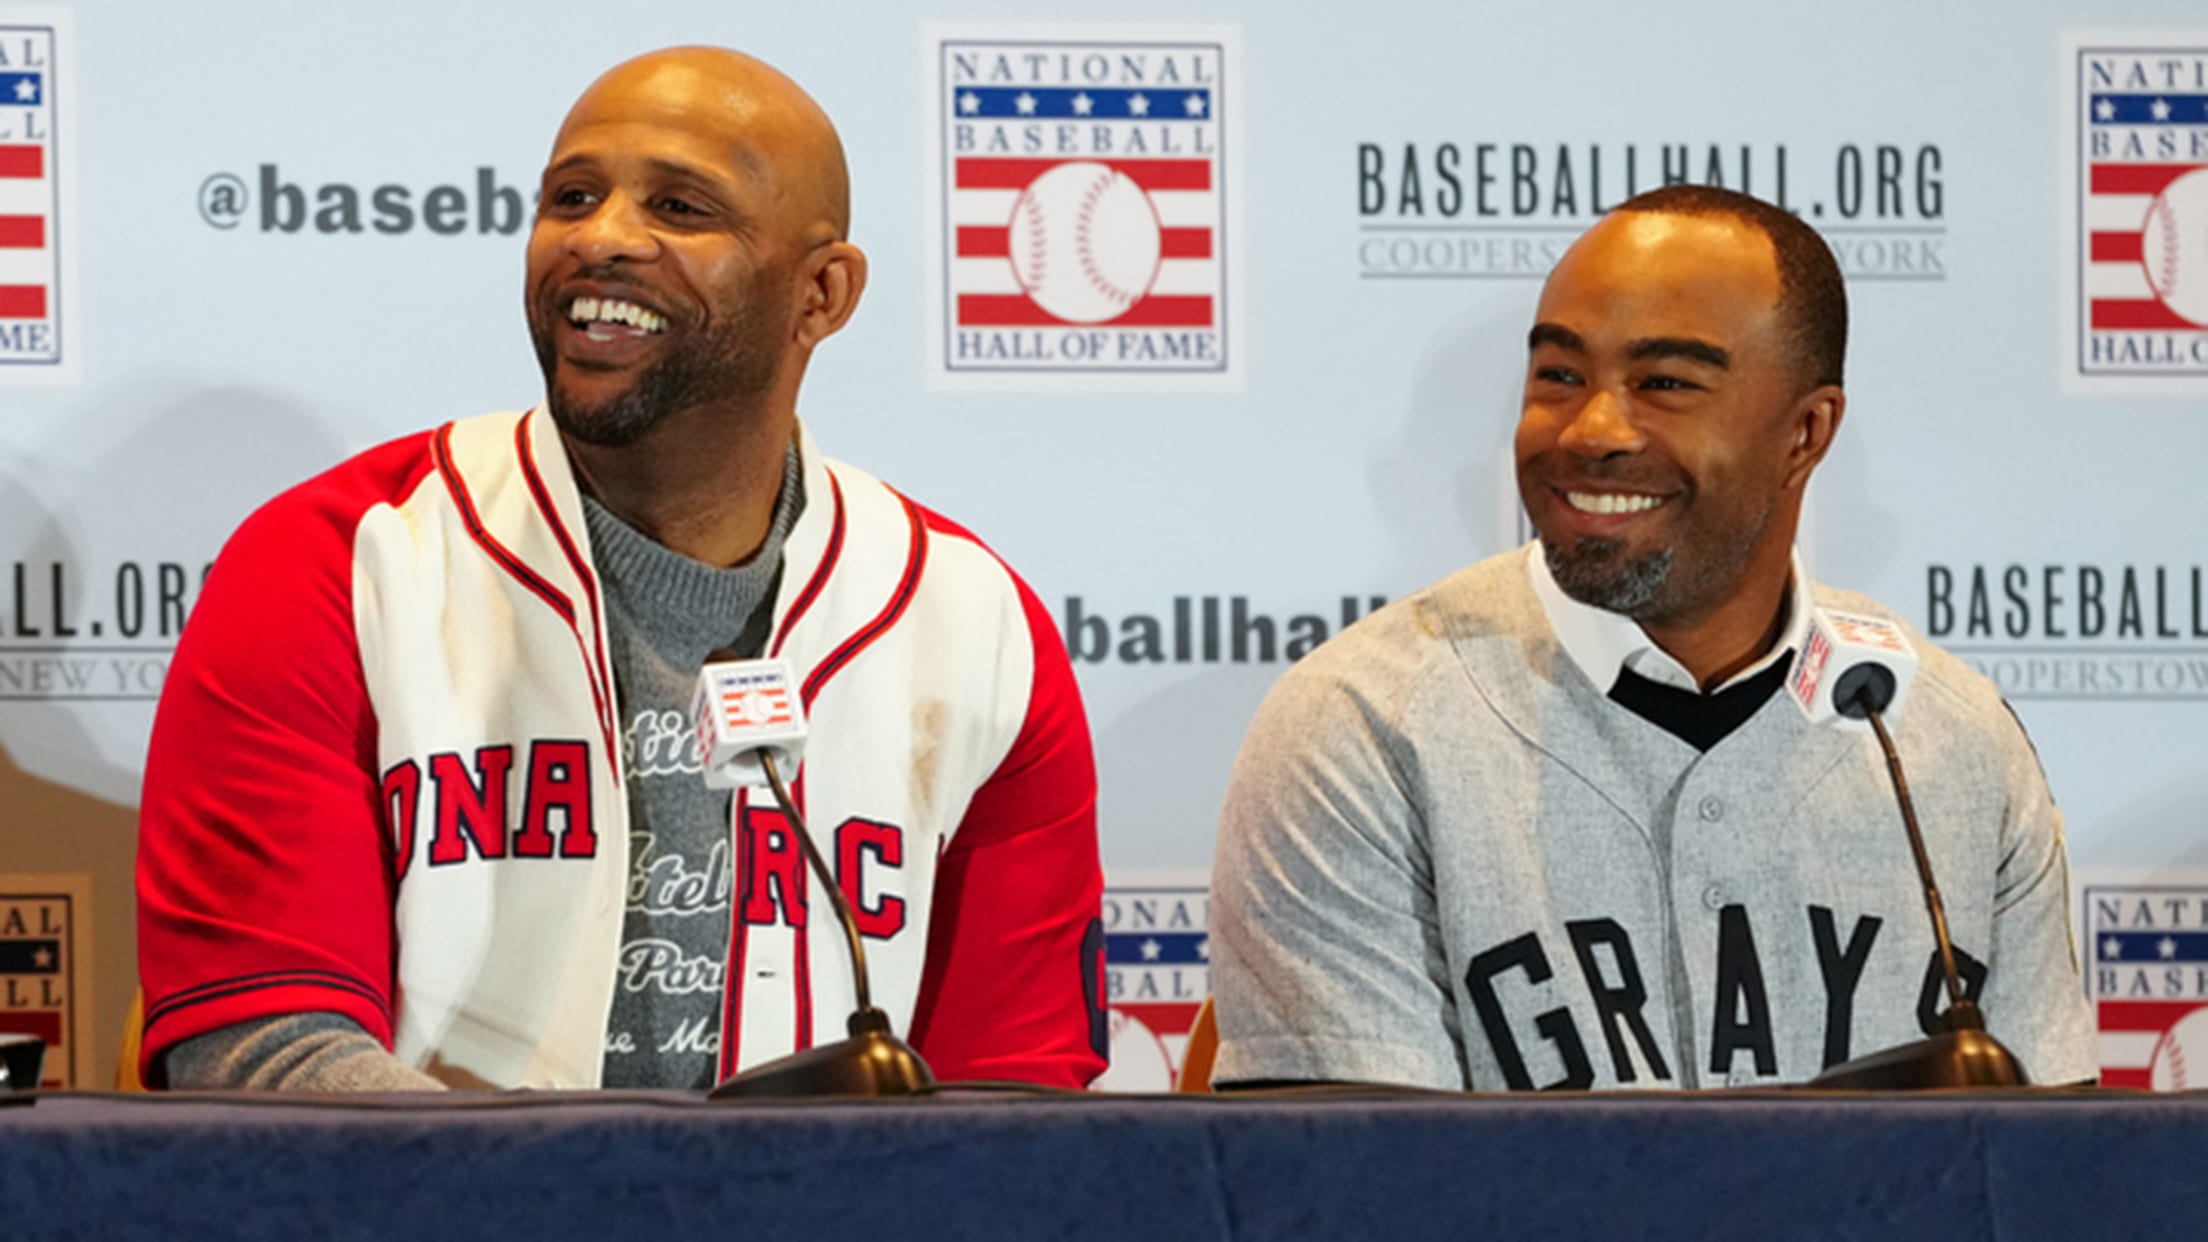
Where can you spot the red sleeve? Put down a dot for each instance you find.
(1013, 986)
(265, 878)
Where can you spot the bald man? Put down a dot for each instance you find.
(1552, 823)
(423, 806)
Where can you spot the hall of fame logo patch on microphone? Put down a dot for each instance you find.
(1080, 205)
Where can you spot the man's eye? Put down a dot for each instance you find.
(1556, 375)
(678, 207)
(1667, 383)
(572, 197)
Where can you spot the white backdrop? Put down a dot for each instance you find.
(1355, 447)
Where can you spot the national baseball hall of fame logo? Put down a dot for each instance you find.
(34, 280)
(1080, 206)
(45, 971)
(2146, 969)
(2136, 213)
(1157, 972)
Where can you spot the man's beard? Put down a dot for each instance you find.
(1657, 585)
(737, 362)
(1596, 573)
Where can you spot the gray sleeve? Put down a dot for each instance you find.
(1327, 960)
(292, 1052)
(2034, 1000)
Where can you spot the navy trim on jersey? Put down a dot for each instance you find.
(828, 559)
(221, 988)
(599, 677)
(441, 451)
(802, 975)
(732, 969)
(916, 559)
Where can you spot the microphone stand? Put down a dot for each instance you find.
(1963, 1055)
(873, 1061)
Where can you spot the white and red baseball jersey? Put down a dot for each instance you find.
(385, 781)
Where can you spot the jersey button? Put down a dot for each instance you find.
(1712, 809)
(1713, 897)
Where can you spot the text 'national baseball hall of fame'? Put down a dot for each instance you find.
(1082, 191)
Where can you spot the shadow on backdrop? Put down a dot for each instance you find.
(1444, 484)
(76, 708)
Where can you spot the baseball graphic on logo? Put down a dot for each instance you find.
(1139, 1060)
(1085, 242)
(2174, 246)
(2181, 1057)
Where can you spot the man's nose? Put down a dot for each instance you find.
(1602, 426)
(617, 230)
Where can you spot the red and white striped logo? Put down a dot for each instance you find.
(31, 272)
(1083, 196)
(1809, 670)
(755, 707)
(2140, 125)
(2146, 967)
(1157, 972)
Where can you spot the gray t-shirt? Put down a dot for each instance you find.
(665, 613)
(1448, 860)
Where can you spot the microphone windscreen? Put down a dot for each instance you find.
(1846, 654)
(743, 708)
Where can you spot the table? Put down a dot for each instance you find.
(535, 1167)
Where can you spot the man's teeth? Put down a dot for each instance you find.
(613, 310)
(1612, 502)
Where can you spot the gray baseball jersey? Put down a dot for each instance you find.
(1447, 859)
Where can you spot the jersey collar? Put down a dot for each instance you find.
(1601, 643)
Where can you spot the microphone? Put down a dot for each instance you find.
(1848, 656)
(22, 1058)
(746, 715)
(750, 722)
(1853, 671)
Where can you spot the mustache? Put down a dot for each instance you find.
(601, 274)
(1563, 471)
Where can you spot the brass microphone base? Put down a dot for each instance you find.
(872, 1063)
(1952, 1060)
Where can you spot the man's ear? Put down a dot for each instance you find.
(1815, 421)
(834, 277)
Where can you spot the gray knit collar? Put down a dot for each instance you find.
(685, 595)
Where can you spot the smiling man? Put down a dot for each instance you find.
(1551, 822)
(423, 805)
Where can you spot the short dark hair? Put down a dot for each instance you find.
(1813, 299)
